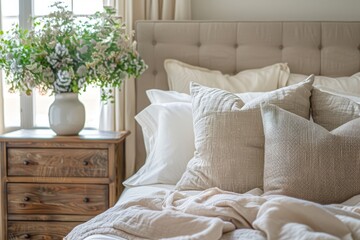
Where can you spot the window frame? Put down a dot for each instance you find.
(27, 107)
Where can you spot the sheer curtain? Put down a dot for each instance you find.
(1, 91)
(120, 115)
(161, 10)
(1, 106)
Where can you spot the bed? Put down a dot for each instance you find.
(330, 49)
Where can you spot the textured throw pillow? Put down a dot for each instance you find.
(304, 160)
(229, 138)
(333, 110)
(348, 85)
(351, 96)
(254, 80)
(167, 126)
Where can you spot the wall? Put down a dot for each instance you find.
(276, 10)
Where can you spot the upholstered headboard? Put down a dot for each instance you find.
(321, 48)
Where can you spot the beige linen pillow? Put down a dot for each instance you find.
(229, 138)
(349, 85)
(331, 111)
(304, 160)
(254, 80)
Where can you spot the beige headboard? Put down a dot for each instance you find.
(321, 48)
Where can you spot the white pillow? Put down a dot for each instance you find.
(253, 80)
(167, 126)
(161, 96)
(169, 142)
(344, 85)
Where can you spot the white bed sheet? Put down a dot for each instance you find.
(134, 192)
(131, 193)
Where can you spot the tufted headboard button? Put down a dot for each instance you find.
(281, 47)
(236, 45)
(154, 42)
(320, 47)
(199, 44)
(155, 72)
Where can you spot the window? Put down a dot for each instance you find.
(27, 112)
(10, 16)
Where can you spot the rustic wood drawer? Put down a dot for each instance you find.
(39, 230)
(57, 162)
(49, 183)
(86, 199)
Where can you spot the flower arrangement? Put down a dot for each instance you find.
(63, 53)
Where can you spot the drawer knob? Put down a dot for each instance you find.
(27, 236)
(85, 163)
(26, 199)
(26, 162)
(86, 200)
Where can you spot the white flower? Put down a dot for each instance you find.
(32, 67)
(101, 70)
(52, 44)
(52, 59)
(63, 81)
(64, 77)
(9, 56)
(29, 80)
(61, 50)
(67, 61)
(59, 88)
(48, 73)
(15, 67)
(81, 82)
(81, 71)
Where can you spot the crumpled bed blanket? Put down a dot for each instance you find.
(216, 214)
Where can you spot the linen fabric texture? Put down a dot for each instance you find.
(332, 110)
(167, 126)
(304, 160)
(253, 80)
(349, 85)
(229, 137)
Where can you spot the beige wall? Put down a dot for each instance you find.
(276, 10)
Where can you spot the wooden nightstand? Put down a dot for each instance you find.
(50, 184)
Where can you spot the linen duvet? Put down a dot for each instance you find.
(217, 214)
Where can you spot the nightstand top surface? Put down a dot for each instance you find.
(49, 135)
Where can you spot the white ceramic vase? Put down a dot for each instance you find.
(67, 114)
